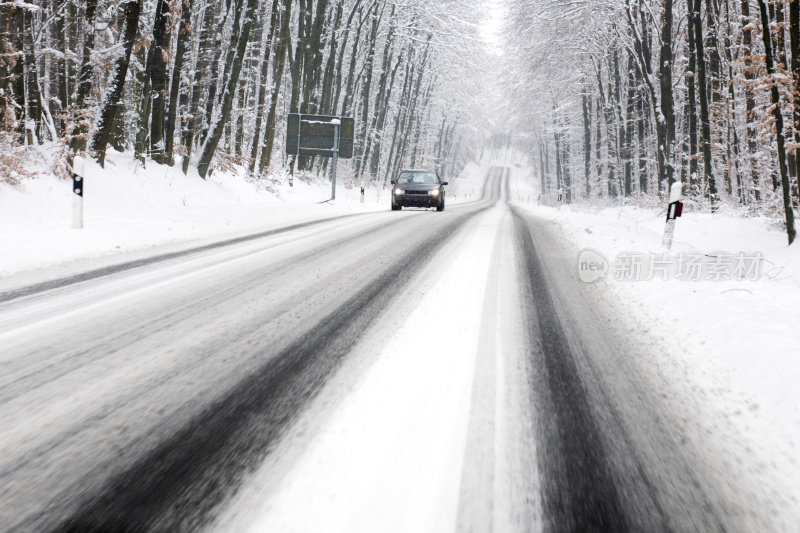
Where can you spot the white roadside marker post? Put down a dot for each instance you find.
(78, 187)
(674, 211)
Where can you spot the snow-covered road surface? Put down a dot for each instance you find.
(412, 371)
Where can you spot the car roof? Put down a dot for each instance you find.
(417, 170)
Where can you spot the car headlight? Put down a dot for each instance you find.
(434, 192)
(398, 191)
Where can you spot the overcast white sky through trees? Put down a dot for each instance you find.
(490, 31)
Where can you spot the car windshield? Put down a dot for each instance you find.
(427, 178)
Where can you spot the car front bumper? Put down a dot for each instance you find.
(416, 200)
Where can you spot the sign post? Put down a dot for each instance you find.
(323, 136)
(337, 124)
(674, 211)
(78, 187)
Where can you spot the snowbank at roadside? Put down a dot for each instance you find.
(130, 207)
(746, 327)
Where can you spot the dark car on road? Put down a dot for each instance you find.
(418, 188)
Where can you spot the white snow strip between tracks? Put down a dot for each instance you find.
(390, 456)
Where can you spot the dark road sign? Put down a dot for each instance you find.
(315, 135)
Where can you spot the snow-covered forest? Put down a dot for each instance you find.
(210, 82)
(200, 330)
(612, 100)
(624, 97)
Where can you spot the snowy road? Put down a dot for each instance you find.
(412, 371)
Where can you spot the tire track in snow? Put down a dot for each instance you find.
(579, 488)
(178, 485)
(94, 348)
(500, 479)
(631, 447)
(37, 288)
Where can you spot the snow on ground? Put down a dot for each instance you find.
(129, 207)
(747, 325)
(406, 418)
(744, 332)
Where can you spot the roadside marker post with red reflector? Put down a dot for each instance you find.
(674, 211)
(78, 188)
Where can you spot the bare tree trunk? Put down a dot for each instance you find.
(587, 140)
(73, 41)
(340, 56)
(6, 66)
(61, 62)
(780, 57)
(598, 140)
(114, 95)
(203, 63)
(715, 83)
(217, 49)
(367, 87)
(412, 112)
(263, 83)
(296, 59)
(145, 101)
(241, 104)
(314, 52)
(277, 77)
(750, 102)
(667, 99)
(704, 111)
(641, 134)
(381, 112)
(566, 153)
(416, 123)
(794, 34)
(185, 31)
(622, 149)
(778, 116)
(158, 80)
(714, 66)
(80, 135)
(610, 136)
(18, 89)
(219, 122)
(630, 110)
(733, 145)
(326, 97)
(33, 97)
(691, 76)
(542, 169)
(399, 117)
(351, 72)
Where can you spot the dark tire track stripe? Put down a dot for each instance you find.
(579, 489)
(161, 322)
(178, 485)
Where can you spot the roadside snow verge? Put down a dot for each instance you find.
(737, 340)
(748, 326)
(129, 207)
